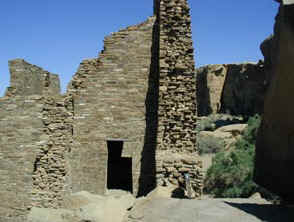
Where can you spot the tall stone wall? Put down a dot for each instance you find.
(35, 132)
(52, 174)
(275, 142)
(28, 79)
(177, 82)
(141, 90)
(21, 129)
(177, 90)
(109, 103)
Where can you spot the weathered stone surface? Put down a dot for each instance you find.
(83, 206)
(234, 129)
(173, 172)
(109, 96)
(226, 135)
(20, 130)
(217, 134)
(237, 89)
(208, 210)
(177, 92)
(275, 142)
(51, 174)
(140, 91)
(210, 84)
(23, 138)
(28, 79)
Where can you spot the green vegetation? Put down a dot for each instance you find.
(207, 144)
(231, 173)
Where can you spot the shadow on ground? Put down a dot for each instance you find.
(266, 212)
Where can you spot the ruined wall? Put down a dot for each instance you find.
(32, 126)
(143, 81)
(109, 103)
(20, 131)
(27, 79)
(275, 141)
(236, 89)
(51, 176)
(177, 85)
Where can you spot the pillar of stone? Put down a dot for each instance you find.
(177, 91)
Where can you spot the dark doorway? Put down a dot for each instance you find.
(119, 171)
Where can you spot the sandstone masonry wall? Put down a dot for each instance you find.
(177, 88)
(177, 83)
(28, 79)
(141, 90)
(20, 132)
(51, 176)
(30, 129)
(109, 103)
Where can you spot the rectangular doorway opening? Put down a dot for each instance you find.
(119, 169)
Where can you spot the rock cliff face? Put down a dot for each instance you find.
(275, 143)
(236, 89)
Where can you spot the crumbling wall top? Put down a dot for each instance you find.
(27, 79)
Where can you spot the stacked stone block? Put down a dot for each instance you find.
(51, 177)
(28, 79)
(21, 130)
(140, 90)
(109, 103)
(32, 126)
(177, 88)
(173, 167)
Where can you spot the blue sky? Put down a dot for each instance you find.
(58, 34)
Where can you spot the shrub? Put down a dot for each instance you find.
(231, 173)
(207, 144)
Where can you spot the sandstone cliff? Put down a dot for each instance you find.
(237, 89)
(274, 147)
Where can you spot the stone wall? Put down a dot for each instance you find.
(28, 79)
(34, 137)
(141, 91)
(109, 103)
(177, 84)
(51, 176)
(236, 89)
(21, 130)
(177, 87)
(173, 167)
(275, 142)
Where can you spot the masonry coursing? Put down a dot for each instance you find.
(140, 90)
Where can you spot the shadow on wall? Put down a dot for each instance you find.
(147, 180)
